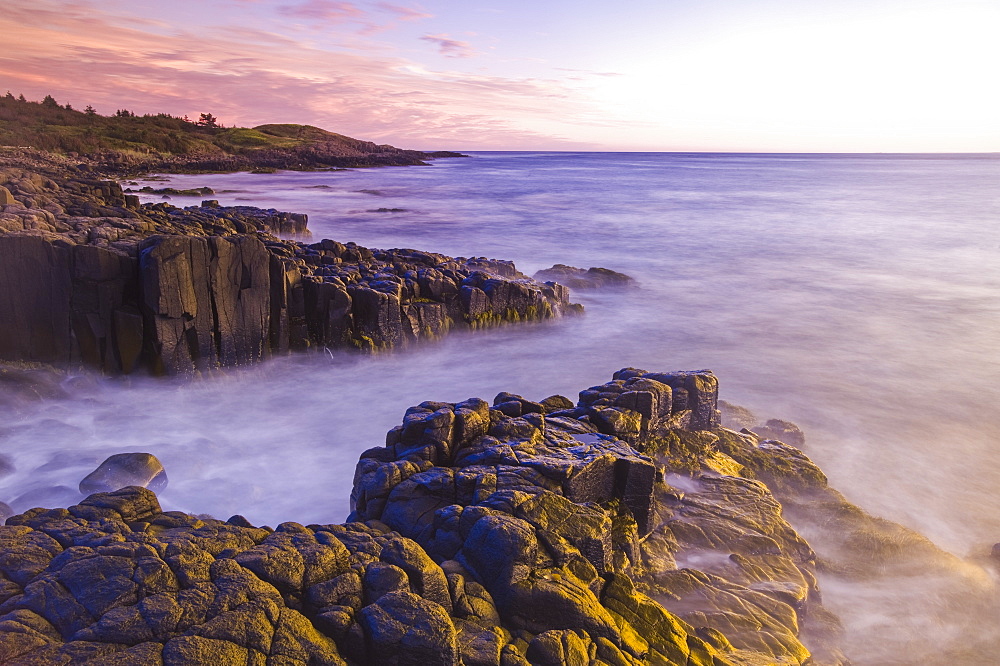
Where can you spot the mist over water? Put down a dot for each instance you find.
(857, 296)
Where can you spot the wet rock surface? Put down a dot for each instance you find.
(524, 531)
(126, 469)
(88, 276)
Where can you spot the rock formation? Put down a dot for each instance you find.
(126, 469)
(628, 528)
(578, 278)
(89, 276)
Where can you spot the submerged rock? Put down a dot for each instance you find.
(579, 278)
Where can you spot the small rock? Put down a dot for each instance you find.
(578, 278)
(555, 403)
(126, 469)
(736, 417)
(47, 496)
(783, 431)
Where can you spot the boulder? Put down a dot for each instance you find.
(404, 629)
(126, 469)
(6, 198)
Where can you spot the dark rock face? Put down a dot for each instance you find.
(90, 277)
(579, 278)
(512, 534)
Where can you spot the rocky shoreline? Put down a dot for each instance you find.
(631, 527)
(92, 277)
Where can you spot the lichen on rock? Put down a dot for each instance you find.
(523, 532)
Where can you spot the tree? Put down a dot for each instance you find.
(50, 102)
(124, 113)
(208, 120)
(68, 107)
(20, 98)
(10, 95)
(90, 111)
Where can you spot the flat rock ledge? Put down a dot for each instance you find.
(88, 276)
(627, 528)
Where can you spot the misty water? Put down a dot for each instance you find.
(857, 296)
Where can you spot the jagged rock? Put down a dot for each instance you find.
(126, 469)
(116, 286)
(477, 537)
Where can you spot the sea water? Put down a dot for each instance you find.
(855, 295)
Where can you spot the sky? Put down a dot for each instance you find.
(631, 75)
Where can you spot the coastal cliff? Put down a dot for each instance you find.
(628, 528)
(91, 277)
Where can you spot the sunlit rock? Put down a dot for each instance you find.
(482, 535)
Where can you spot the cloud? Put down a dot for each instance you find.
(404, 13)
(326, 13)
(587, 72)
(450, 48)
(250, 75)
(323, 10)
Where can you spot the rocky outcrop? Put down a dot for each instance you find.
(89, 276)
(508, 534)
(579, 278)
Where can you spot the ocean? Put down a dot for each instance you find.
(855, 295)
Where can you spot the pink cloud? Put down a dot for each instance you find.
(404, 13)
(249, 76)
(324, 13)
(323, 10)
(451, 48)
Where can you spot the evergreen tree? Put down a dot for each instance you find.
(50, 102)
(208, 120)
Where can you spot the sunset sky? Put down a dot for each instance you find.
(714, 75)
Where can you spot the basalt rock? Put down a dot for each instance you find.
(90, 277)
(513, 534)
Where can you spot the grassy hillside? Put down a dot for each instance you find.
(163, 142)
